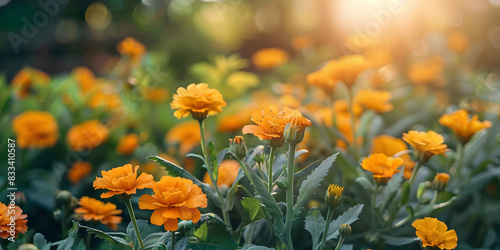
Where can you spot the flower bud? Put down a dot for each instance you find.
(440, 182)
(238, 147)
(64, 197)
(295, 129)
(333, 195)
(27, 246)
(345, 230)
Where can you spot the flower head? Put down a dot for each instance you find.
(35, 129)
(238, 147)
(433, 233)
(127, 144)
(174, 198)
(462, 126)
(426, 72)
(85, 78)
(26, 78)
(389, 145)
(427, 144)
(6, 212)
(375, 100)
(228, 171)
(440, 181)
(183, 135)
(96, 210)
(122, 180)
(295, 128)
(197, 100)
(382, 167)
(269, 58)
(132, 48)
(271, 123)
(78, 171)
(333, 195)
(86, 135)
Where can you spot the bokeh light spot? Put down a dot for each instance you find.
(98, 16)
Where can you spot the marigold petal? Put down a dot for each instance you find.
(157, 217)
(185, 213)
(450, 239)
(171, 213)
(148, 202)
(171, 225)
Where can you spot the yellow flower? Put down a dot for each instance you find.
(122, 180)
(26, 78)
(6, 212)
(85, 78)
(427, 144)
(458, 42)
(322, 78)
(174, 198)
(197, 100)
(374, 100)
(133, 49)
(78, 171)
(35, 129)
(333, 195)
(183, 134)
(228, 171)
(86, 135)
(382, 167)
(462, 126)
(434, 233)
(389, 145)
(440, 181)
(348, 68)
(96, 210)
(127, 144)
(426, 72)
(269, 58)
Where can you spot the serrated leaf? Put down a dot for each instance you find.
(67, 244)
(315, 224)
(348, 217)
(215, 233)
(40, 242)
(143, 230)
(197, 156)
(253, 210)
(118, 241)
(312, 182)
(398, 241)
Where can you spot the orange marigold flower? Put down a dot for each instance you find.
(102, 98)
(6, 212)
(323, 79)
(382, 167)
(389, 145)
(440, 181)
(132, 48)
(96, 210)
(458, 42)
(174, 198)
(348, 68)
(271, 123)
(462, 126)
(269, 58)
(35, 129)
(122, 180)
(127, 144)
(426, 72)
(427, 144)
(197, 100)
(377, 101)
(86, 135)
(85, 78)
(156, 94)
(78, 171)
(434, 233)
(228, 171)
(183, 135)
(24, 80)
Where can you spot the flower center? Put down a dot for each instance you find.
(434, 238)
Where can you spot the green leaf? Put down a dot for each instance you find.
(315, 224)
(312, 182)
(67, 244)
(118, 241)
(255, 247)
(214, 233)
(398, 241)
(348, 217)
(40, 242)
(366, 184)
(174, 170)
(364, 121)
(196, 156)
(253, 211)
(143, 230)
(156, 238)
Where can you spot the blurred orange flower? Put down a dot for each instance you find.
(6, 212)
(24, 80)
(95, 210)
(302, 42)
(35, 129)
(347, 68)
(197, 100)
(340, 107)
(86, 135)
(127, 144)
(156, 94)
(374, 100)
(78, 171)
(427, 144)
(228, 171)
(174, 198)
(390, 146)
(184, 134)
(458, 42)
(132, 48)
(382, 167)
(122, 180)
(323, 79)
(101, 98)
(85, 78)
(426, 72)
(434, 233)
(269, 58)
(462, 126)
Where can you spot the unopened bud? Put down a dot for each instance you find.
(238, 147)
(27, 246)
(333, 195)
(345, 230)
(64, 197)
(440, 182)
(295, 129)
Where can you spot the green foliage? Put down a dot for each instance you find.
(315, 224)
(213, 234)
(253, 210)
(115, 240)
(348, 217)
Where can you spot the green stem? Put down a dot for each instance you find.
(64, 221)
(172, 241)
(414, 173)
(329, 217)
(350, 107)
(289, 195)
(458, 160)
(434, 198)
(341, 241)
(134, 222)
(374, 202)
(272, 153)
